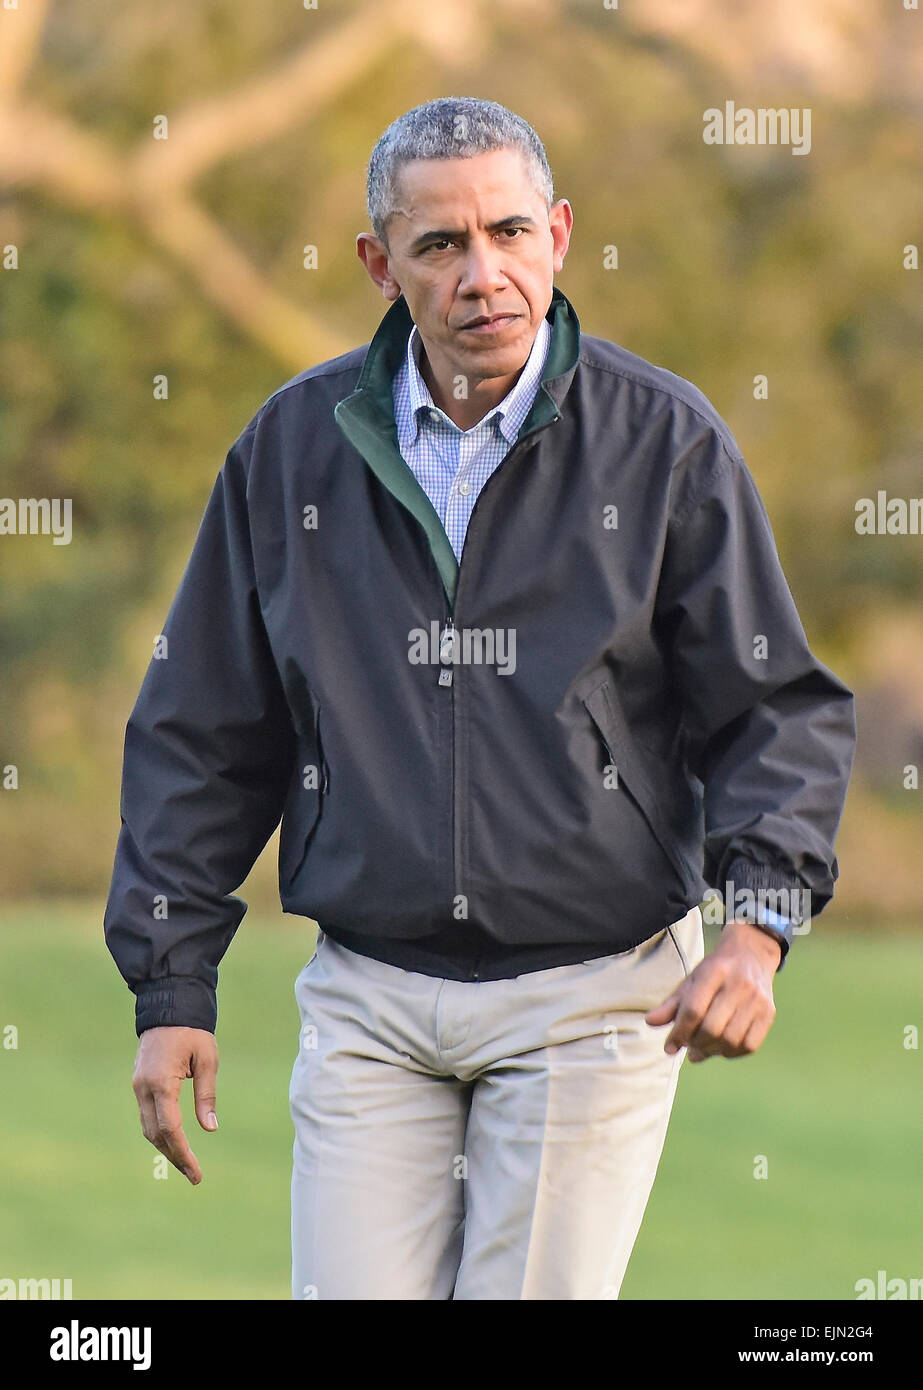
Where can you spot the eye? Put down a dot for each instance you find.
(447, 241)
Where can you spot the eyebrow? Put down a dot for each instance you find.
(451, 234)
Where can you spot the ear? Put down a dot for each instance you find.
(374, 255)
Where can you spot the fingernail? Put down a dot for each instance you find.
(212, 1120)
(671, 1048)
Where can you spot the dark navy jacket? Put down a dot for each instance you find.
(625, 712)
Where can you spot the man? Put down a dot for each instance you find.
(490, 612)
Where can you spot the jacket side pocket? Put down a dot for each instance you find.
(307, 828)
(616, 737)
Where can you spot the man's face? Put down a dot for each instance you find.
(471, 238)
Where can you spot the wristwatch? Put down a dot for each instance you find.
(772, 923)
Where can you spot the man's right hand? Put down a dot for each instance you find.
(166, 1058)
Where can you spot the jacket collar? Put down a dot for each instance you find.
(389, 345)
(507, 415)
(366, 415)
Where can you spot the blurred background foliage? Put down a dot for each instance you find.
(185, 257)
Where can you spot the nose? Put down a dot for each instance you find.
(482, 274)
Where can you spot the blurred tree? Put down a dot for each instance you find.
(184, 258)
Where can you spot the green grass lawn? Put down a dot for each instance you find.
(832, 1100)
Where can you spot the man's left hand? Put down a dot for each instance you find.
(724, 1008)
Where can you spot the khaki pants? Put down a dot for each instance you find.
(479, 1140)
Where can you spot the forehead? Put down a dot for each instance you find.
(466, 188)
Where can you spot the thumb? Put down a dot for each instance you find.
(663, 1013)
(204, 1079)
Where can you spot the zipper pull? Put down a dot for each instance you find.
(446, 651)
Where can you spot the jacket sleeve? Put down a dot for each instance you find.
(208, 753)
(768, 730)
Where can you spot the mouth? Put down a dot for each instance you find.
(485, 326)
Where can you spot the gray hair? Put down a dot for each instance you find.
(449, 128)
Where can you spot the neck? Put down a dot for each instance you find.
(482, 397)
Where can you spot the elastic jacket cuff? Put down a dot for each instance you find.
(175, 1001)
(777, 900)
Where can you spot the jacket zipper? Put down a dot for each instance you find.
(449, 647)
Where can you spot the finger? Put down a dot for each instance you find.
(204, 1084)
(148, 1115)
(736, 1032)
(735, 1038)
(692, 1010)
(713, 1028)
(756, 1033)
(150, 1128)
(662, 1013)
(170, 1138)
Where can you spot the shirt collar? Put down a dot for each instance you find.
(511, 411)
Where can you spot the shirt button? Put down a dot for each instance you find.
(464, 489)
(434, 414)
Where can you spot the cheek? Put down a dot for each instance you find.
(433, 303)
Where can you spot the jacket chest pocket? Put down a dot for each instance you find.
(632, 775)
(305, 803)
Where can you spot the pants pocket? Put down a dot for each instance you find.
(688, 940)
